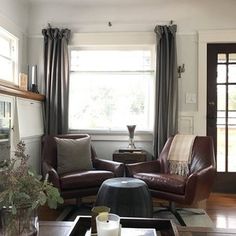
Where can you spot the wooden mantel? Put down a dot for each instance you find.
(16, 92)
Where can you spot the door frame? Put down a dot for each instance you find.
(224, 181)
(205, 37)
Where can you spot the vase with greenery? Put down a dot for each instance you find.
(21, 193)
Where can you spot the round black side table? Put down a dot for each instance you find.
(126, 197)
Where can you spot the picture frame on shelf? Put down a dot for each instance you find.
(23, 81)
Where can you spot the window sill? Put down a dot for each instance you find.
(15, 91)
(117, 136)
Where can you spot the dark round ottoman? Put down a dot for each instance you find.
(125, 197)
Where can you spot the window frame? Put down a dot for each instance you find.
(111, 132)
(13, 58)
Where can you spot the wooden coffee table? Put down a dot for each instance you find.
(59, 228)
(164, 227)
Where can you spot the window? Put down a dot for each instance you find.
(111, 88)
(8, 56)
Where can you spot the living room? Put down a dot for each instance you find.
(101, 25)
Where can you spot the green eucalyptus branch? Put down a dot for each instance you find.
(21, 187)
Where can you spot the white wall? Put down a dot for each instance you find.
(90, 16)
(16, 12)
(138, 16)
(14, 18)
(132, 15)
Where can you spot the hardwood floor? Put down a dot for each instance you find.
(221, 208)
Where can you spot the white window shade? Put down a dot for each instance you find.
(111, 60)
(111, 87)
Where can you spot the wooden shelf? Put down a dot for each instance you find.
(15, 91)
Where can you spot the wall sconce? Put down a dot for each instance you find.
(180, 70)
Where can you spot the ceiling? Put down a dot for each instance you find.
(98, 1)
(102, 2)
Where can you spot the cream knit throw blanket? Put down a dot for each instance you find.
(180, 154)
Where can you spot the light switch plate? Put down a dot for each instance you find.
(191, 98)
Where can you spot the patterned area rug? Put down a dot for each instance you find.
(192, 216)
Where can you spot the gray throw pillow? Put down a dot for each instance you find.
(73, 155)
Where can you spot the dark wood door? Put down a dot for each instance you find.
(221, 112)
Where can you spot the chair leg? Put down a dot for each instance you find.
(174, 211)
(190, 211)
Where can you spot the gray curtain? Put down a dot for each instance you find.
(56, 74)
(166, 97)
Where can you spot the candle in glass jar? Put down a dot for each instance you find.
(108, 226)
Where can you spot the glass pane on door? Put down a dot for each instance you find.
(232, 73)
(231, 128)
(221, 58)
(221, 73)
(221, 148)
(231, 148)
(232, 57)
(221, 119)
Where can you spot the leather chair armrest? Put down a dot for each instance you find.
(116, 167)
(52, 175)
(199, 184)
(147, 167)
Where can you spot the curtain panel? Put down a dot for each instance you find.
(56, 75)
(166, 95)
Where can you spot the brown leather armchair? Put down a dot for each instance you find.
(175, 188)
(80, 183)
